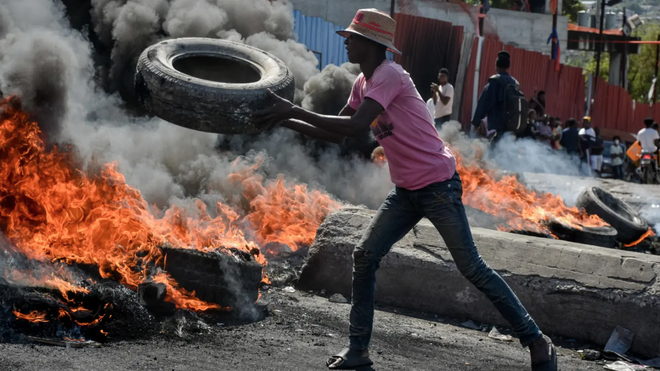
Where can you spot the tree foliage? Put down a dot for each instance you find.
(571, 8)
(642, 65)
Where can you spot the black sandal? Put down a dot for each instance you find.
(348, 359)
(551, 364)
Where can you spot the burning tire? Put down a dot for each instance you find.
(230, 279)
(208, 84)
(597, 236)
(629, 225)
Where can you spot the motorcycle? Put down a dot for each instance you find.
(648, 168)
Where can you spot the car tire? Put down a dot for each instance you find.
(230, 279)
(627, 222)
(597, 236)
(210, 85)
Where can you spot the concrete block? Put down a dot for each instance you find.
(573, 290)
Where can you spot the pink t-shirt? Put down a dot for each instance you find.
(415, 153)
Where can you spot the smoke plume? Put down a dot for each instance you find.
(41, 55)
(127, 27)
(52, 67)
(328, 92)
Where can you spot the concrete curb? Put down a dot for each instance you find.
(573, 290)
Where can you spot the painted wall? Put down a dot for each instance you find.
(523, 30)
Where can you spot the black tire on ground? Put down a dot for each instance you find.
(598, 236)
(629, 225)
(230, 280)
(209, 84)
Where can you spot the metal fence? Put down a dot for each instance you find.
(565, 90)
(426, 46)
(429, 44)
(613, 108)
(321, 38)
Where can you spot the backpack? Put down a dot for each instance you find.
(516, 106)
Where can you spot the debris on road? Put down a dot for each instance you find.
(471, 325)
(494, 334)
(68, 343)
(619, 342)
(338, 298)
(624, 366)
(589, 354)
(152, 296)
(655, 362)
(289, 289)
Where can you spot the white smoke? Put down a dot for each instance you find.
(327, 92)
(129, 26)
(41, 56)
(550, 171)
(300, 61)
(193, 18)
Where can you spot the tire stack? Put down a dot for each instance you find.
(629, 225)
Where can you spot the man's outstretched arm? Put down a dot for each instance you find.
(348, 126)
(316, 133)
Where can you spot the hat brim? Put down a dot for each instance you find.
(347, 32)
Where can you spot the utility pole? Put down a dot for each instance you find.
(392, 8)
(554, 27)
(657, 61)
(624, 59)
(599, 44)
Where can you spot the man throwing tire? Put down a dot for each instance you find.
(385, 101)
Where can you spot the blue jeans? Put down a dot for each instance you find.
(402, 210)
(441, 120)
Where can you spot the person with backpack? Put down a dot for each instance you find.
(502, 102)
(384, 100)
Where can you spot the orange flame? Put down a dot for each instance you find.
(52, 211)
(646, 234)
(93, 323)
(520, 208)
(35, 316)
(378, 156)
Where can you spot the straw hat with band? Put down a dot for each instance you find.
(375, 26)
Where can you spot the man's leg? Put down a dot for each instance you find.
(443, 207)
(618, 171)
(438, 123)
(394, 219)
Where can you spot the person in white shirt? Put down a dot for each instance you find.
(648, 137)
(587, 140)
(616, 151)
(443, 96)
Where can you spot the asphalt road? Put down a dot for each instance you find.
(299, 334)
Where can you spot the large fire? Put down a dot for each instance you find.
(51, 211)
(519, 208)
